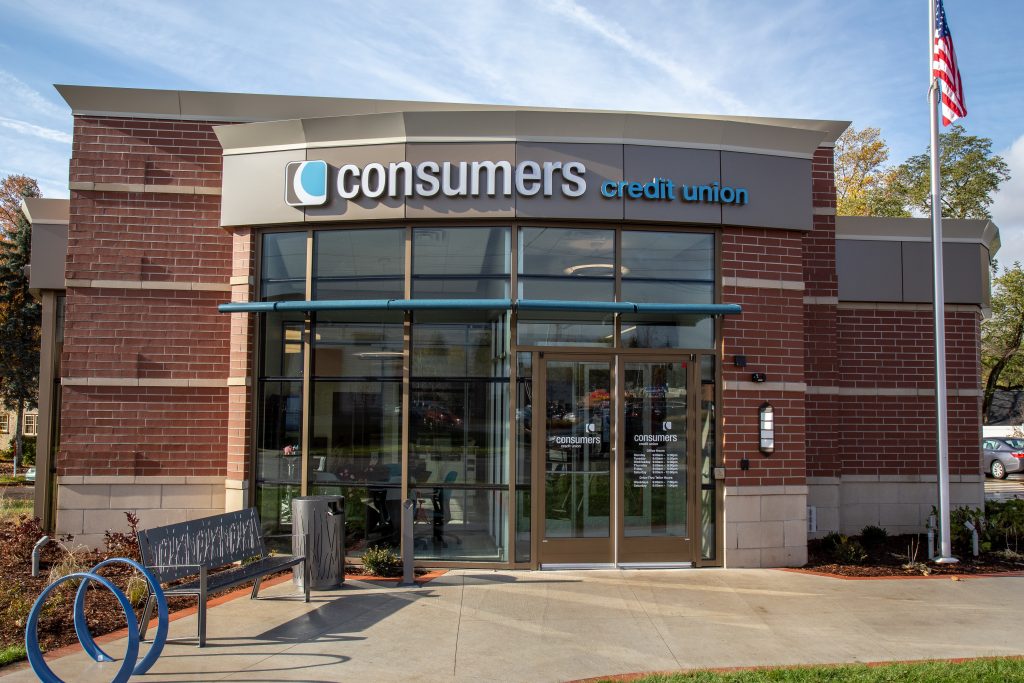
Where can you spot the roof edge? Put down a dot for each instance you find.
(45, 210)
(885, 228)
(86, 100)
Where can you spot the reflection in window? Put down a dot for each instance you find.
(283, 270)
(458, 439)
(566, 263)
(461, 263)
(355, 424)
(524, 454)
(708, 459)
(359, 264)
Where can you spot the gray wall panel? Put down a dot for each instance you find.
(964, 269)
(603, 162)
(253, 189)
(869, 270)
(49, 253)
(691, 166)
(441, 206)
(780, 190)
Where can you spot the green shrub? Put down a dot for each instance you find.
(960, 536)
(849, 551)
(830, 541)
(873, 536)
(1004, 524)
(381, 561)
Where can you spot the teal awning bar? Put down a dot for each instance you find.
(479, 305)
(368, 305)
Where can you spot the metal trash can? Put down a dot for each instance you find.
(324, 518)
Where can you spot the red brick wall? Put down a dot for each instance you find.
(142, 151)
(821, 362)
(142, 431)
(146, 334)
(770, 333)
(894, 349)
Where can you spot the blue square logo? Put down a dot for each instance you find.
(305, 183)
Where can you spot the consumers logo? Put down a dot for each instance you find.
(305, 183)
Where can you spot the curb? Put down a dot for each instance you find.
(624, 678)
(930, 577)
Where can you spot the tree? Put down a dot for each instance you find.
(970, 176)
(859, 156)
(1002, 335)
(19, 311)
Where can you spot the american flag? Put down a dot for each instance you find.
(944, 69)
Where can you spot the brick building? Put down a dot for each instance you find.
(569, 337)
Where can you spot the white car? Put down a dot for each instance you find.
(30, 474)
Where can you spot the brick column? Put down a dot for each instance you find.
(241, 381)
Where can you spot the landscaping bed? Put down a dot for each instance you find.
(874, 553)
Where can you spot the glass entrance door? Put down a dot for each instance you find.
(655, 496)
(576, 444)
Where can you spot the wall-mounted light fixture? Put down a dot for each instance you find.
(766, 424)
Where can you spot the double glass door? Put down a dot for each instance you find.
(615, 461)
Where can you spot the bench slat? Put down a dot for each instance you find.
(211, 542)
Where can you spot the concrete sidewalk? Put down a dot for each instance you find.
(473, 625)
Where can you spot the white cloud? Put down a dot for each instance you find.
(1008, 207)
(26, 128)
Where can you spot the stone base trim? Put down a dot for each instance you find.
(89, 506)
(900, 504)
(760, 283)
(159, 285)
(236, 495)
(887, 391)
(765, 526)
(744, 385)
(143, 382)
(87, 185)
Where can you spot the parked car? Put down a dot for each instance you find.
(30, 474)
(1003, 455)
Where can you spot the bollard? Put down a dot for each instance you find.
(974, 536)
(931, 537)
(36, 549)
(408, 574)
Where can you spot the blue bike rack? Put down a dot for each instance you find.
(131, 664)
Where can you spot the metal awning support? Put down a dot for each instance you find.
(479, 305)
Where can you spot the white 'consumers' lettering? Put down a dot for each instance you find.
(462, 179)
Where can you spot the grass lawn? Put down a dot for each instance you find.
(14, 653)
(12, 509)
(977, 671)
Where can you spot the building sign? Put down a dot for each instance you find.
(432, 178)
(663, 189)
(309, 183)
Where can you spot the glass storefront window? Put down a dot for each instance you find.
(461, 263)
(681, 332)
(566, 333)
(668, 255)
(708, 449)
(524, 454)
(359, 264)
(566, 263)
(355, 424)
(283, 271)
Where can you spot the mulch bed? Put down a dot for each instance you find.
(890, 560)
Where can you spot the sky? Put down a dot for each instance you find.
(864, 61)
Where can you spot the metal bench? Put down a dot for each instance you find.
(193, 549)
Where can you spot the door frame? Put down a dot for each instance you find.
(539, 445)
(660, 551)
(690, 554)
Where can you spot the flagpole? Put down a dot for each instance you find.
(945, 555)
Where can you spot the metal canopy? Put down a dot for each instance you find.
(478, 304)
